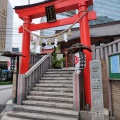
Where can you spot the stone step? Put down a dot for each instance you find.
(36, 116)
(48, 104)
(61, 72)
(56, 81)
(6, 117)
(50, 99)
(54, 85)
(46, 110)
(62, 94)
(46, 98)
(57, 75)
(11, 118)
(42, 79)
(56, 78)
(52, 89)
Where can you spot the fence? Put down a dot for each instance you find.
(27, 81)
(100, 52)
(34, 58)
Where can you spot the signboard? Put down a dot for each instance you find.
(82, 57)
(96, 90)
(12, 64)
(50, 13)
(80, 61)
(113, 65)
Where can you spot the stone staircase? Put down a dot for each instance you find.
(50, 99)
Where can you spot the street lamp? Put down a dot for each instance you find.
(13, 55)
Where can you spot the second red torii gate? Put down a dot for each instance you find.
(29, 12)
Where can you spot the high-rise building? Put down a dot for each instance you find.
(6, 20)
(3, 20)
(107, 11)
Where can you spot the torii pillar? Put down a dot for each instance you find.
(25, 61)
(85, 39)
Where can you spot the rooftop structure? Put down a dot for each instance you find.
(6, 23)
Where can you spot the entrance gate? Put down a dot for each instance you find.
(29, 12)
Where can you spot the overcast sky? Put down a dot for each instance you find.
(20, 3)
(17, 39)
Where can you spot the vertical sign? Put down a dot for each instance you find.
(12, 64)
(96, 90)
(50, 13)
(77, 62)
(82, 58)
(80, 61)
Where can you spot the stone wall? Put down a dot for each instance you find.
(115, 94)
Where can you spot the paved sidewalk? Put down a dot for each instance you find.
(3, 87)
(5, 95)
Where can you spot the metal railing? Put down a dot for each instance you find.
(100, 52)
(31, 77)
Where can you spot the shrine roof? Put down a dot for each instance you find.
(32, 5)
(41, 3)
(46, 51)
(12, 54)
(99, 30)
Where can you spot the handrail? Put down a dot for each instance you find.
(31, 77)
(36, 65)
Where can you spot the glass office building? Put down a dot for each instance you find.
(107, 10)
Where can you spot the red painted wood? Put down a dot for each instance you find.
(44, 52)
(85, 39)
(39, 10)
(66, 61)
(61, 22)
(25, 61)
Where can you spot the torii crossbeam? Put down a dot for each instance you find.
(29, 12)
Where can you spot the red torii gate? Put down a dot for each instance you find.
(29, 12)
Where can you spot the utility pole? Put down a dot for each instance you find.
(28, 2)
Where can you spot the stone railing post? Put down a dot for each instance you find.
(21, 89)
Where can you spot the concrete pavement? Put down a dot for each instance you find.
(3, 87)
(5, 95)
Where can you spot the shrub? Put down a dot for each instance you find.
(57, 63)
(6, 83)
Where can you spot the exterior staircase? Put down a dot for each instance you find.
(50, 99)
